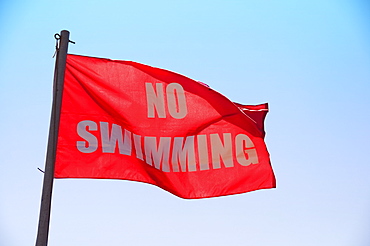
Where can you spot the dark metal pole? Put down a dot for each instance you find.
(45, 207)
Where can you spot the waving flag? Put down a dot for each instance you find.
(125, 120)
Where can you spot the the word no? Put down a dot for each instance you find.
(175, 99)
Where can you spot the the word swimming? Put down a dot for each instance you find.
(168, 154)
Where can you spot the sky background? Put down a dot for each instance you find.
(310, 60)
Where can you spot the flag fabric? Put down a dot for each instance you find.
(125, 120)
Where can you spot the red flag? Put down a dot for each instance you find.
(125, 120)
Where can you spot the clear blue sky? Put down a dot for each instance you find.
(310, 60)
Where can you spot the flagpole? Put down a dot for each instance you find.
(45, 207)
